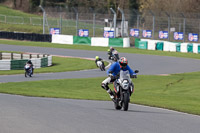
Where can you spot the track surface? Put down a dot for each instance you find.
(19, 114)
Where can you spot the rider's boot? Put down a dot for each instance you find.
(109, 91)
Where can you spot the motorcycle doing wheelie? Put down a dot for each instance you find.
(100, 64)
(28, 70)
(123, 88)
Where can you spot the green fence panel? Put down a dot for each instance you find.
(81, 40)
(190, 48)
(18, 64)
(137, 42)
(44, 62)
(143, 44)
(115, 42)
(159, 46)
(178, 47)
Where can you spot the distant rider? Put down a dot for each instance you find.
(113, 54)
(31, 66)
(99, 59)
(112, 73)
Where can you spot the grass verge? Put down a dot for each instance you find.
(177, 92)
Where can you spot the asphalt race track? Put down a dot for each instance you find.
(19, 114)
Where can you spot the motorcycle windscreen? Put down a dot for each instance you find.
(125, 75)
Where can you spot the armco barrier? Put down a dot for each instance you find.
(25, 36)
(93, 41)
(7, 61)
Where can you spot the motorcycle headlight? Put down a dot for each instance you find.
(125, 85)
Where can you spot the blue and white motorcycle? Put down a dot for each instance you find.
(123, 88)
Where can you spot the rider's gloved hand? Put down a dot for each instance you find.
(134, 76)
(111, 75)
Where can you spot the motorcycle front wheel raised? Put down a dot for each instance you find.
(126, 101)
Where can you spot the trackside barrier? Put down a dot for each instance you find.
(159, 46)
(196, 48)
(183, 47)
(62, 39)
(137, 42)
(15, 61)
(168, 46)
(91, 41)
(142, 44)
(81, 40)
(25, 36)
(99, 41)
(190, 48)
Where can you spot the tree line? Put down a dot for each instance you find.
(105, 5)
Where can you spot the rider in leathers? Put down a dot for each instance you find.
(31, 66)
(113, 53)
(99, 59)
(112, 73)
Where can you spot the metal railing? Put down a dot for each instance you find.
(70, 21)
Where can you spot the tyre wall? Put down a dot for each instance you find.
(25, 36)
(13, 61)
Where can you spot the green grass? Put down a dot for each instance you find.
(19, 21)
(18, 27)
(60, 64)
(178, 91)
(10, 12)
(85, 47)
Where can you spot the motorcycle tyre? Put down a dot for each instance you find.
(126, 101)
(117, 106)
(27, 74)
(103, 67)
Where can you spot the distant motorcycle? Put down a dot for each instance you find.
(100, 64)
(28, 70)
(114, 56)
(123, 90)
